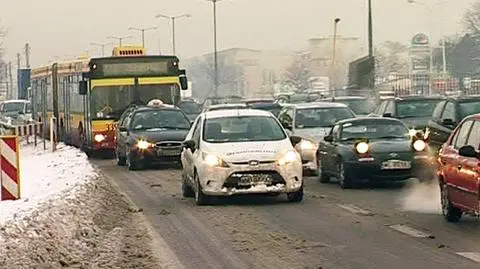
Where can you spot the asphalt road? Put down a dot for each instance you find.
(332, 228)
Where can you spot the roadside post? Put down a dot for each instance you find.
(53, 133)
(10, 167)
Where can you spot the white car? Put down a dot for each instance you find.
(241, 151)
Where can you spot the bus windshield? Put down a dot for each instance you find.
(109, 102)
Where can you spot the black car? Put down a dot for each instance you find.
(447, 115)
(269, 105)
(414, 111)
(371, 149)
(150, 134)
(362, 106)
(190, 108)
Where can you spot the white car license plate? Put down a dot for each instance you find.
(168, 152)
(255, 180)
(396, 164)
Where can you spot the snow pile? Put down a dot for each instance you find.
(46, 175)
(421, 197)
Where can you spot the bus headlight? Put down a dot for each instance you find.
(143, 144)
(289, 157)
(419, 145)
(99, 138)
(362, 147)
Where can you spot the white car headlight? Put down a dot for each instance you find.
(99, 137)
(362, 147)
(142, 144)
(212, 160)
(419, 145)
(307, 145)
(289, 157)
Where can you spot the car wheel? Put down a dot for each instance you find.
(200, 197)
(449, 211)
(295, 197)
(322, 177)
(121, 160)
(345, 180)
(187, 191)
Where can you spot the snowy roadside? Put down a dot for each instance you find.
(70, 217)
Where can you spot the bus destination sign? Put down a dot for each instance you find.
(134, 69)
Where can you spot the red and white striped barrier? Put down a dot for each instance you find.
(10, 167)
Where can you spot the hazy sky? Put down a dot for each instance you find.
(60, 28)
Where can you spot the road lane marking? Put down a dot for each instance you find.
(474, 256)
(357, 210)
(410, 231)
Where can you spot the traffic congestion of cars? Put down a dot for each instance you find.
(263, 146)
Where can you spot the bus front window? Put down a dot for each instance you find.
(109, 102)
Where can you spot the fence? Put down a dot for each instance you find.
(429, 84)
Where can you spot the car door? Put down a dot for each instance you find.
(452, 164)
(433, 131)
(331, 151)
(188, 158)
(444, 129)
(469, 171)
(122, 135)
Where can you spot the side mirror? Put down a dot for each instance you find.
(295, 140)
(448, 122)
(183, 82)
(287, 125)
(328, 138)
(387, 115)
(189, 144)
(468, 151)
(82, 87)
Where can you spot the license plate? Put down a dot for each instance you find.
(254, 180)
(168, 152)
(396, 164)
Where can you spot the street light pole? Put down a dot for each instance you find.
(120, 39)
(370, 29)
(173, 19)
(102, 45)
(335, 24)
(142, 30)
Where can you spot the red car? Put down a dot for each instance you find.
(459, 170)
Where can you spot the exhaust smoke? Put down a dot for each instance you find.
(421, 197)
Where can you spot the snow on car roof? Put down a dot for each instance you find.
(16, 101)
(236, 112)
(227, 105)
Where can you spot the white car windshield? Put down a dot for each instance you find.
(242, 129)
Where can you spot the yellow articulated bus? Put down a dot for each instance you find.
(112, 84)
(54, 92)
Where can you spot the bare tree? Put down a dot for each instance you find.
(298, 74)
(471, 19)
(391, 57)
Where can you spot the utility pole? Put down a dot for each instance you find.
(370, 29)
(335, 25)
(102, 46)
(7, 85)
(27, 55)
(120, 39)
(142, 30)
(10, 75)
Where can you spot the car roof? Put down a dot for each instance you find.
(316, 105)
(360, 119)
(464, 98)
(419, 97)
(474, 116)
(236, 113)
(152, 108)
(341, 98)
(228, 105)
(16, 101)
